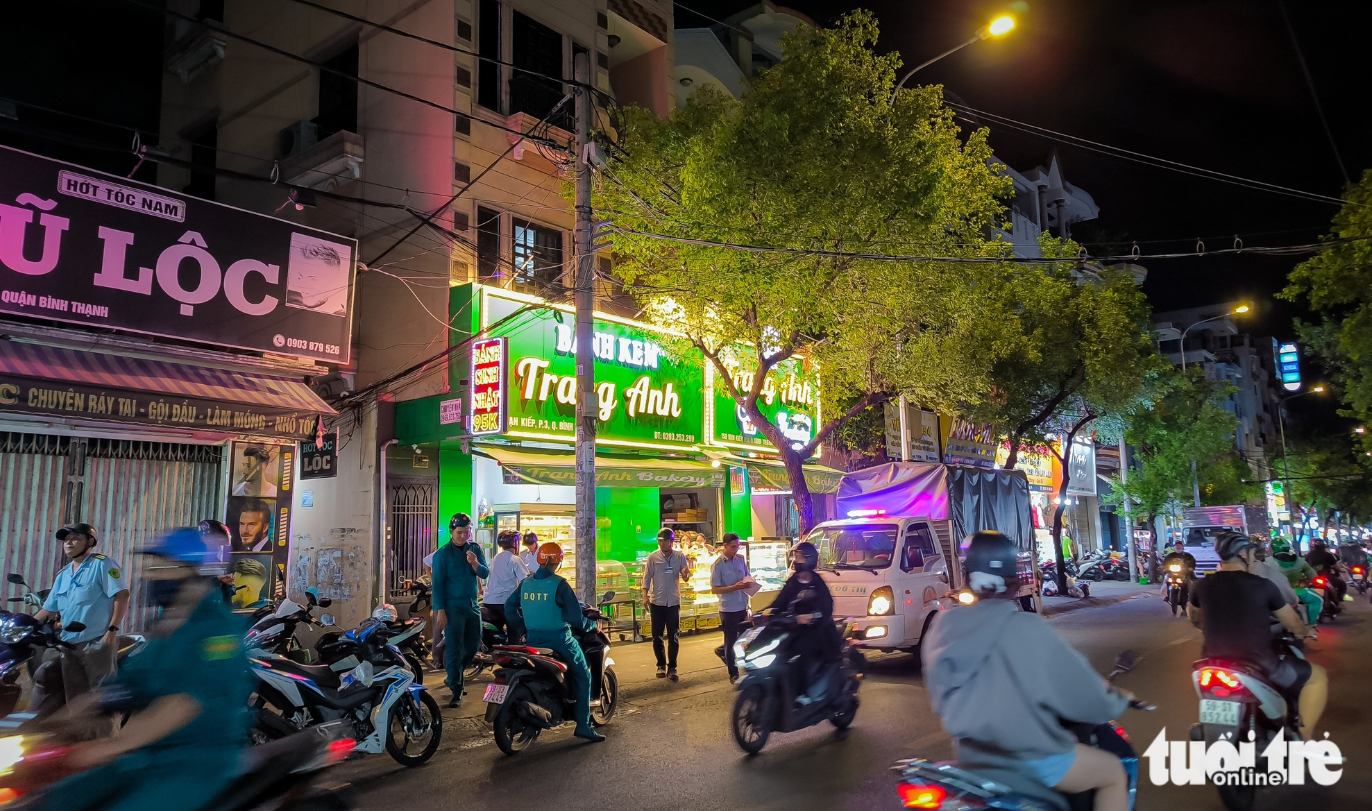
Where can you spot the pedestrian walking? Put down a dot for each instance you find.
(530, 553)
(665, 571)
(459, 568)
(730, 579)
(507, 570)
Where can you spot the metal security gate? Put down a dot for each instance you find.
(414, 514)
(128, 490)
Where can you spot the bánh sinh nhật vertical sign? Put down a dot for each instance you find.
(490, 374)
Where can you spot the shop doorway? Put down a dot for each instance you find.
(413, 518)
(130, 491)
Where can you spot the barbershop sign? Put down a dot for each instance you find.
(88, 248)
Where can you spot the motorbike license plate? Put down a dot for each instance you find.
(495, 694)
(1357, 575)
(1222, 713)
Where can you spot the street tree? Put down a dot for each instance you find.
(1337, 284)
(817, 169)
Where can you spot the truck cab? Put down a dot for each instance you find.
(888, 575)
(1200, 544)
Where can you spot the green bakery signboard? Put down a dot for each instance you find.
(645, 395)
(789, 399)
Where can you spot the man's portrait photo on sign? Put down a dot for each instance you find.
(256, 470)
(252, 524)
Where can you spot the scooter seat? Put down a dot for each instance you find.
(527, 649)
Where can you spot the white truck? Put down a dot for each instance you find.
(1200, 525)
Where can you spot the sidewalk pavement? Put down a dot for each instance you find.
(698, 667)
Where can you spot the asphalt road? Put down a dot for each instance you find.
(670, 747)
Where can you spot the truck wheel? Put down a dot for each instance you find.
(918, 650)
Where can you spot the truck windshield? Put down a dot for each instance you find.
(1203, 536)
(855, 546)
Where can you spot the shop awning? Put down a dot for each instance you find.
(772, 476)
(69, 383)
(559, 467)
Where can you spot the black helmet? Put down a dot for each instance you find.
(459, 520)
(809, 556)
(993, 553)
(1229, 545)
(507, 539)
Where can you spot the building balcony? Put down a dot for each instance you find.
(328, 164)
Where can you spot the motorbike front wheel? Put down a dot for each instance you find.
(1174, 599)
(844, 718)
(512, 733)
(604, 712)
(414, 729)
(750, 724)
(1095, 575)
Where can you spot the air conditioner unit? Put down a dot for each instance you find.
(298, 137)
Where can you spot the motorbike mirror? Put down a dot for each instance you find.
(607, 597)
(1126, 661)
(74, 627)
(326, 619)
(325, 602)
(16, 578)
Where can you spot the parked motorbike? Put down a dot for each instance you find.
(1238, 701)
(1049, 573)
(530, 694)
(485, 657)
(370, 685)
(276, 631)
(770, 691)
(1103, 566)
(1178, 590)
(927, 785)
(276, 775)
(419, 608)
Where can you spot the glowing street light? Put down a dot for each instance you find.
(999, 26)
(1239, 310)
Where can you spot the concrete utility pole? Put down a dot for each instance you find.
(1128, 519)
(585, 344)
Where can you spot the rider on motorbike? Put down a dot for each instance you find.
(1188, 568)
(1003, 682)
(1351, 555)
(1298, 573)
(544, 609)
(1328, 565)
(187, 689)
(1233, 607)
(817, 641)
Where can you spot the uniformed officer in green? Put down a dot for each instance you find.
(189, 689)
(546, 609)
(90, 590)
(458, 568)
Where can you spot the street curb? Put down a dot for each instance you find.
(1089, 602)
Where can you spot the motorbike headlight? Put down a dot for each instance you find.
(1175, 567)
(882, 602)
(11, 634)
(11, 752)
(762, 661)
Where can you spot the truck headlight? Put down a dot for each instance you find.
(882, 601)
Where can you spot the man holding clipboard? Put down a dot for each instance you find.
(731, 580)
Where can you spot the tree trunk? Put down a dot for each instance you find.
(1013, 458)
(1152, 547)
(800, 490)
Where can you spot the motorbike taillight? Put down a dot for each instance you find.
(1320, 583)
(1220, 683)
(921, 795)
(339, 750)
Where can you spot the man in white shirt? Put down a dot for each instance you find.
(530, 553)
(663, 574)
(507, 570)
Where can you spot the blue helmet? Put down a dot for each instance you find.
(185, 545)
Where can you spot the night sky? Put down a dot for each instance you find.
(1214, 84)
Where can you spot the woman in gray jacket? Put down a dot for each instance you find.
(1003, 682)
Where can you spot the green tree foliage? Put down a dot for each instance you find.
(1337, 284)
(818, 155)
(1184, 422)
(1328, 479)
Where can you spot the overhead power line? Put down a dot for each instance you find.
(343, 74)
(1139, 157)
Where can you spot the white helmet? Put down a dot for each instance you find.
(385, 612)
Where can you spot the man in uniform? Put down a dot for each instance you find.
(186, 689)
(91, 591)
(459, 567)
(547, 608)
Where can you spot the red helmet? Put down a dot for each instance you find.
(549, 552)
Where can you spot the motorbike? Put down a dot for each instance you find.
(485, 657)
(1332, 608)
(927, 785)
(1358, 578)
(1177, 587)
(277, 775)
(275, 631)
(1239, 703)
(418, 612)
(370, 685)
(23, 640)
(1049, 573)
(1103, 566)
(769, 693)
(530, 694)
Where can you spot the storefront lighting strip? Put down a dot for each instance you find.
(524, 298)
(616, 442)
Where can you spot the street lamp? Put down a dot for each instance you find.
(1285, 468)
(998, 27)
(1239, 310)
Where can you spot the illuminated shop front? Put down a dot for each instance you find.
(672, 449)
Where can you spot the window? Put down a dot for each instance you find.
(488, 46)
(487, 244)
(338, 95)
(204, 152)
(463, 125)
(855, 546)
(918, 548)
(537, 256)
(464, 30)
(538, 51)
(462, 173)
(462, 77)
